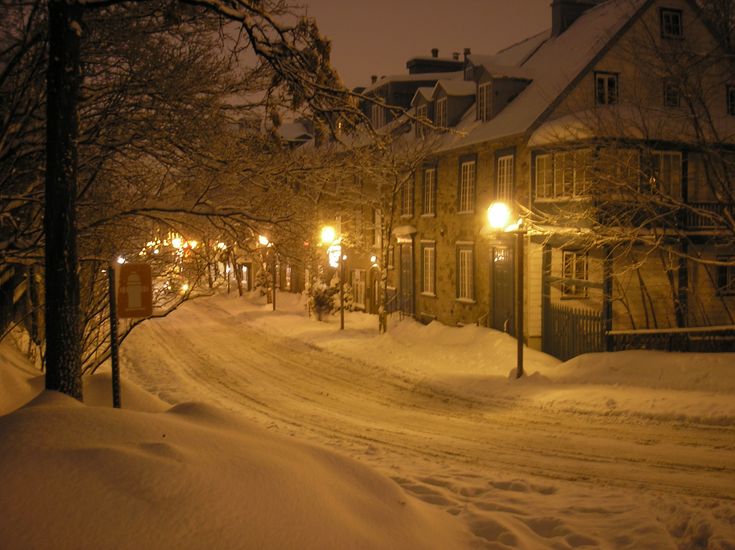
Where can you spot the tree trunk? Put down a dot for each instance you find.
(63, 316)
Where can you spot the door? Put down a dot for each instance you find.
(503, 290)
(406, 281)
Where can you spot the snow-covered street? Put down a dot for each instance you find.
(567, 457)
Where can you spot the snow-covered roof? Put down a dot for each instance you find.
(383, 80)
(294, 131)
(497, 70)
(457, 87)
(554, 62)
(424, 92)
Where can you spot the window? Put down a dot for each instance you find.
(377, 228)
(465, 272)
(666, 177)
(467, 187)
(574, 270)
(563, 174)
(428, 269)
(672, 97)
(377, 116)
(726, 276)
(429, 198)
(288, 277)
(731, 100)
(441, 112)
(544, 176)
(421, 114)
(484, 101)
(606, 88)
(407, 198)
(504, 178)
(671, 24)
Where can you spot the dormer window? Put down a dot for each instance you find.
(484, 101)
(441, 112)
(469, 72)
(377, 116)
(671, 24)
(422, 115)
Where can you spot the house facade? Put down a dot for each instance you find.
(609, 136)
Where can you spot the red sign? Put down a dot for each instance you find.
(134, 291)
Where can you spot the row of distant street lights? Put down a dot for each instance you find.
(500, 220)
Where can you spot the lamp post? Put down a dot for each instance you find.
(499, 216)
(336, 260)
(263, 240)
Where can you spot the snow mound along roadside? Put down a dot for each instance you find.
(192, 477)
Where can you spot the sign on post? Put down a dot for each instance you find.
(134, 291)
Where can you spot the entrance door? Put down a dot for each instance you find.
(406, 286)
(503, 289)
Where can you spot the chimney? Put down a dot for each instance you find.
(467, 52)
(566, 12)
(373, 79)
(434, 52)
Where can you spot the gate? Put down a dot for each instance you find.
(568, 332)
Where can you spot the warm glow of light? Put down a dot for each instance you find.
(328, 234)
(498, 215)
(193, 244)
(263, 240)
(373, 259)
(156, 251)
(221, 246)
(185, 287)
(176, 242)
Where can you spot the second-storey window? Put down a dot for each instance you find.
(484, 101)
(465, 272)
(467, 186)
(666, 177)
(441, 112)
(407, 198)
(428, 268)
(563, 174)
(726, 276)
(428, 205)
(672, 97)
(731, 100)
(606, 88)
(504, 178)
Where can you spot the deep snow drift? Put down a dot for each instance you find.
(192, 475)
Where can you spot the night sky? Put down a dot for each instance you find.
(377, 37)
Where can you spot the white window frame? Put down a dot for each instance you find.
(672, 23)
(359, 289)
(407, 199)
(610, 94)
(667, 176)
(441, 112)
(377, 116)
(575, 265)
(484, 101)
(504, 178)
(562, 175)
(422, 114)
(428, 205)
(466, 272)
(467, 183)
(428, 268)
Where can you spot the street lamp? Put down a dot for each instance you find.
(336, 260)
(263, 240)
(499, 218)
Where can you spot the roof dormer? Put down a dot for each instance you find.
(452, 98)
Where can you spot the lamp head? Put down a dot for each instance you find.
(498, 215)
(328, 234)
(263, 240)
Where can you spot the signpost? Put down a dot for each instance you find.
(131, 297)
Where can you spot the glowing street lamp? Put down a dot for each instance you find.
(265, 242)
(336, 260)
(499, 217)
